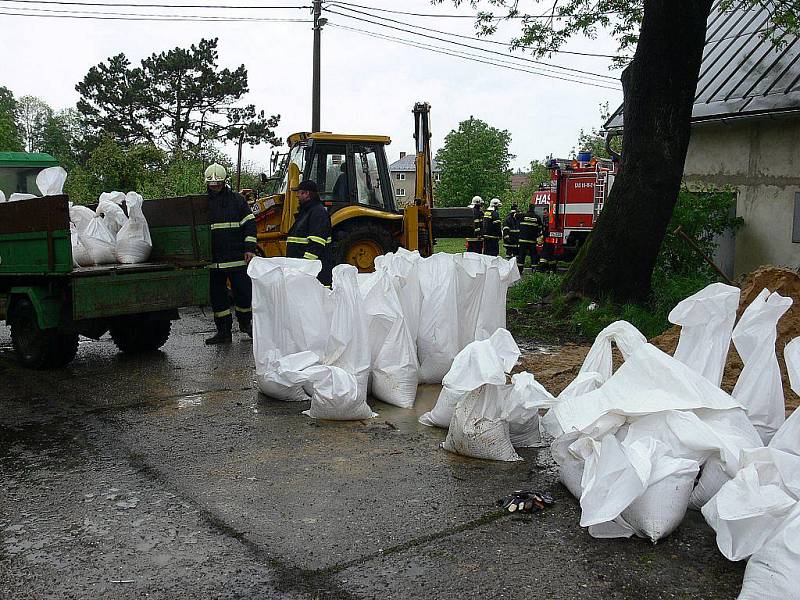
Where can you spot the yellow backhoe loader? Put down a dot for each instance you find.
(354, 183)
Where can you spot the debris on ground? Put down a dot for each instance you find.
(525, 501)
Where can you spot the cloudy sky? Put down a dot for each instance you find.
(369, 84)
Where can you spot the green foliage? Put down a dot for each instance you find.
(538, 174)
(61, 137)
(10, 140)
(595, 140)
(32, 114)
(702, 215)
(179, 100)
(474, 161)
(533, 288)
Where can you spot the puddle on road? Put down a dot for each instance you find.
(189, 401)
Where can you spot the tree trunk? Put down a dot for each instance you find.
(659, 86)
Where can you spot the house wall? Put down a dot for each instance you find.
(760, 158)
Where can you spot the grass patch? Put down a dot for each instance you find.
(558, 320)
(457, 246)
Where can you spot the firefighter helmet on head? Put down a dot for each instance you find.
(476, 200)
(215, 173)
(495, 202)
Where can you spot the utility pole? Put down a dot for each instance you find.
(315, 88)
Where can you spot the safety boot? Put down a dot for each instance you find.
(247, 328)
(221, 337)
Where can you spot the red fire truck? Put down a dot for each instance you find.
(570, 202)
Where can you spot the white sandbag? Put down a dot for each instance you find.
(2, 196)
(50, 181)
(477, 429)
(99, 242)
(109, 208)
(335, 395)
(527, 397)
(403, 268)
(600, 358)
(471, 270)
(347, 346)
(81, 216)
(80, 255)
(706, 319)
(649, 381)
(746, 512)
(16, 197)
(133, 243)
(481, 362)
(395, 370)
(759, 387)
(501, 273)
(437, 342)
(442, 412)
(570, 457)
(787, 437)
(283, 377)
(772, 572)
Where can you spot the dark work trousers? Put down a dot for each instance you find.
(476, 246)
(242, 289)
(491, 246)
(526, 250)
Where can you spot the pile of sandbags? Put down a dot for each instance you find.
(309, 341)
(108, 235)
(50, 182)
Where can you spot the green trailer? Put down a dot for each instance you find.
(48, 302)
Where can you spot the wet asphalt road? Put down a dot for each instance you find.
(169, 476)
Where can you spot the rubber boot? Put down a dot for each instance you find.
(246, 327)
(223, 335)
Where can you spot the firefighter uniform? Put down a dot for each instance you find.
(547, 261)
(310, 236)
(511, 232)
(233, 233)
(475, 241)
(530, 228)
(491, 231)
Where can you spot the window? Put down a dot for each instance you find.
(329, 170)
(400, 192)
(401, 177)
(368, 176)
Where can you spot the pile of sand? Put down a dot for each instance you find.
(555, 371)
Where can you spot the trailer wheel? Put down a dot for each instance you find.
(138, 334)
(39, 348)
(359, 245)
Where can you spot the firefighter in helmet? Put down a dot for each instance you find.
(547, 261)
(233, 245)
(492, 228)
(511, 232)
(475, 241)
(530, 228)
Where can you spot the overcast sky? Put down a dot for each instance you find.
(369, 85)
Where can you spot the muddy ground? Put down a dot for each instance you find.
(169, 476)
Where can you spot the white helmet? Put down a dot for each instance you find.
(215, 173)
(495, 202)
(476, 200)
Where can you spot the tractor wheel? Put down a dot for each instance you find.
(138, 334)
(361, 244)
(39, 348)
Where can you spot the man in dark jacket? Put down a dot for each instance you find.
(511, 232)
(475, 241)
(492, 228)
(530, 228)
(233, 245)
(310, 236)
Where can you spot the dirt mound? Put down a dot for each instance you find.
(555, 371)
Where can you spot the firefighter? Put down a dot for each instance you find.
(310, 236)
(511, 232)
(530, 228)
(547, 262)
(492, 229)
(233, 245)
(475, 241)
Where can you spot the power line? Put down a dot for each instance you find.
(107, 16)
(458, 35)
(454, 16)
(470, 57)
(160, 5)
(503, 54)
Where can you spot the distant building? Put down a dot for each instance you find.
(519, 180)
(403, 172)
(746, 137)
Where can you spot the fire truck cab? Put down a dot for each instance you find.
(571, 201)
